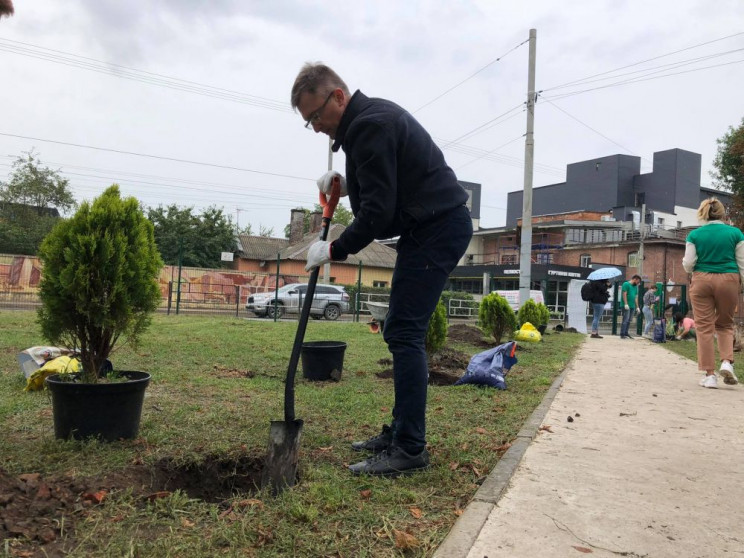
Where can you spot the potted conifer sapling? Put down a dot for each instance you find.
(99, 287)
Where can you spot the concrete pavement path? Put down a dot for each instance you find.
(651, 465)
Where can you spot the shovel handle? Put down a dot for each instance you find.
(329, 206)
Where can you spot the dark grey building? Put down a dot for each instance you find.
(671, 192)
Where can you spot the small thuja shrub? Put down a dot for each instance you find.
(544, 314)
(496, 317)
(436, 335)
(529, 312)
(99, 282)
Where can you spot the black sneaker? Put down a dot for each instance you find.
(377, 443)
(391, 462)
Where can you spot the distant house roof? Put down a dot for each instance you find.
(260, 247)
(263, 248)
(45, 211)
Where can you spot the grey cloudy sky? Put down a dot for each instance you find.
(181, 82)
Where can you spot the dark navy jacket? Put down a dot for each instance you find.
(396, 175)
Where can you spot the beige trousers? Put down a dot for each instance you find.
(714, 297)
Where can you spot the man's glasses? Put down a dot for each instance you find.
(315, 116)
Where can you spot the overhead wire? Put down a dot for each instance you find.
(631, 81)
(159, 157)
(471, 76)
(142, 76)
(657, 69)
(493, 151)
(644, 61)
(123, 175)
(594, 130)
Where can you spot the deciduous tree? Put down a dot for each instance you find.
(30, 203)
(200, 239)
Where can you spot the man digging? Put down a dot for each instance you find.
(398, 185)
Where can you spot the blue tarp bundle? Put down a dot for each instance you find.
(490, 367)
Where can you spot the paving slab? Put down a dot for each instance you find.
(651, 465)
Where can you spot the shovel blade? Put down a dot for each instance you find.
(280, 468)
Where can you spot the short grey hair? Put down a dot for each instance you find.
(316, 78)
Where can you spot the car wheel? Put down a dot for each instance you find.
(279, 311)
(332, 312)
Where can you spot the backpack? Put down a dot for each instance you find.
(586, 291)
(660, 331)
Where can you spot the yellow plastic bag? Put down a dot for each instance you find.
(59, 365)
(528, 332)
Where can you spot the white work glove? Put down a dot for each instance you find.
(325, 182)
(318, 254)
(627, 307)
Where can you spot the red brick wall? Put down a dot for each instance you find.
(655, 258)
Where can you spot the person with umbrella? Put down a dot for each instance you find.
(598, 293)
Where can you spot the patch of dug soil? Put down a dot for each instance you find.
(214, 480)
(223, 372)
(34, 509)
(445, 367)
(468, 334)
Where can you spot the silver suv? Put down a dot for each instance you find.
(329, 302)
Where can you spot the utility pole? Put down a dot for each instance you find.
(327, 266)
(525, 252)
(237, 220)
(643, 233)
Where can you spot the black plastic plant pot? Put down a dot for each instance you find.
(323, 360)
(109, 411)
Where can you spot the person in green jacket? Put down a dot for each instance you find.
(714, 254)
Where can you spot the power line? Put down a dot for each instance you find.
(123, 175)
(162, 158)
(629, 81)
(493, 151)
(486, 125)
(594, 130)
(470, 76)
(142, 76)
(659, 69)
(644, 61)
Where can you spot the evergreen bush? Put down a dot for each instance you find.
(544, 314)
(436, 334)
(100, 279)
(529, 312)
(496, 317)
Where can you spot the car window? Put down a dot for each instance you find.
(302, 289)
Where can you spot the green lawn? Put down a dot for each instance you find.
(202, 408)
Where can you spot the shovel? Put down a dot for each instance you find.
(280, 469)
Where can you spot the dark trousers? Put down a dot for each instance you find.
(627, 316)
(426, 256)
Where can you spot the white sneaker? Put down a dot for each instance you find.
(727, 371)
(709, 381)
